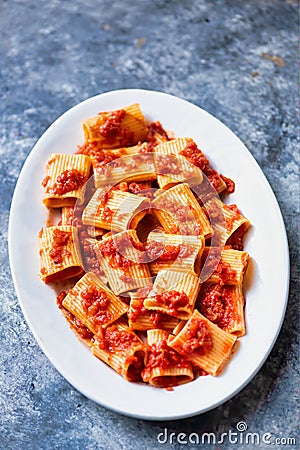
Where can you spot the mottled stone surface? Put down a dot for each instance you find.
(237, 60)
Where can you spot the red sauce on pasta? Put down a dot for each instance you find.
(136, 309)
(109, 250)
(213, 177)
(135, 365)
(156, 250)
(45, 181)
(90, 259)
(111, 127)
(75, 323)
(156, 317)
(114, 340)
(95, 303)
(230, 184)
(90, 148)
(235, 241)
(107, 214)
(137, 305)
(169, 252)
(141, 188)
(114, 252)
(60, 298)
(181, 212)
(196, 337)
(156, 135)
(229, 310)
(78, 326)
(60, 237)
(229, 221)
(215, 303)
(123, 186)
(225, 272)
(81, 329)
(163, 357)
(101, 159)
(58, 250)
(67, 181)
(173, 300)
(210, 302)
(196, 157)
(211, 257)
(182, 215)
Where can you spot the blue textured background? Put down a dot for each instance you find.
(237, 60)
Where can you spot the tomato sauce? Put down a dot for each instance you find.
(173, 301)
(111, 127)
(114, 340)
(230, 184)
(101, 159)
(211, 257)
(109, 250)
(90, 259)
(235, 241)
(169, 252)
(112, 130)
(135, 365)
(60, 298)
(197, 337)
(136, 309)
(154, 250)
(182, 215)
(58, 251)
(215, 303)
(141, 188)
(163, 357)
(67, 181)
(156, 135)
(196, 157)
(95, 303)
(78, 326)
(107, 214)
(225, 272)
(74, 322)
(235, 215)
(90, 148)
(45, 181)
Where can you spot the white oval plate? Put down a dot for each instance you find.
(266, 283)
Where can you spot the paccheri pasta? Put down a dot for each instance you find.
(153, 255)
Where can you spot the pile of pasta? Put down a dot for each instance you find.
(153, 257)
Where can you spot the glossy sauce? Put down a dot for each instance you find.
(229, 221)
(196, 337)
(215, 303)
(58, 251)
(163, 357)
(173, 301)
(74, 322)
(156, 135)
(114, 340)
(67, 181)
(95, 303)
(196, 157)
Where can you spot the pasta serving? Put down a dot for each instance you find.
(147, 257)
